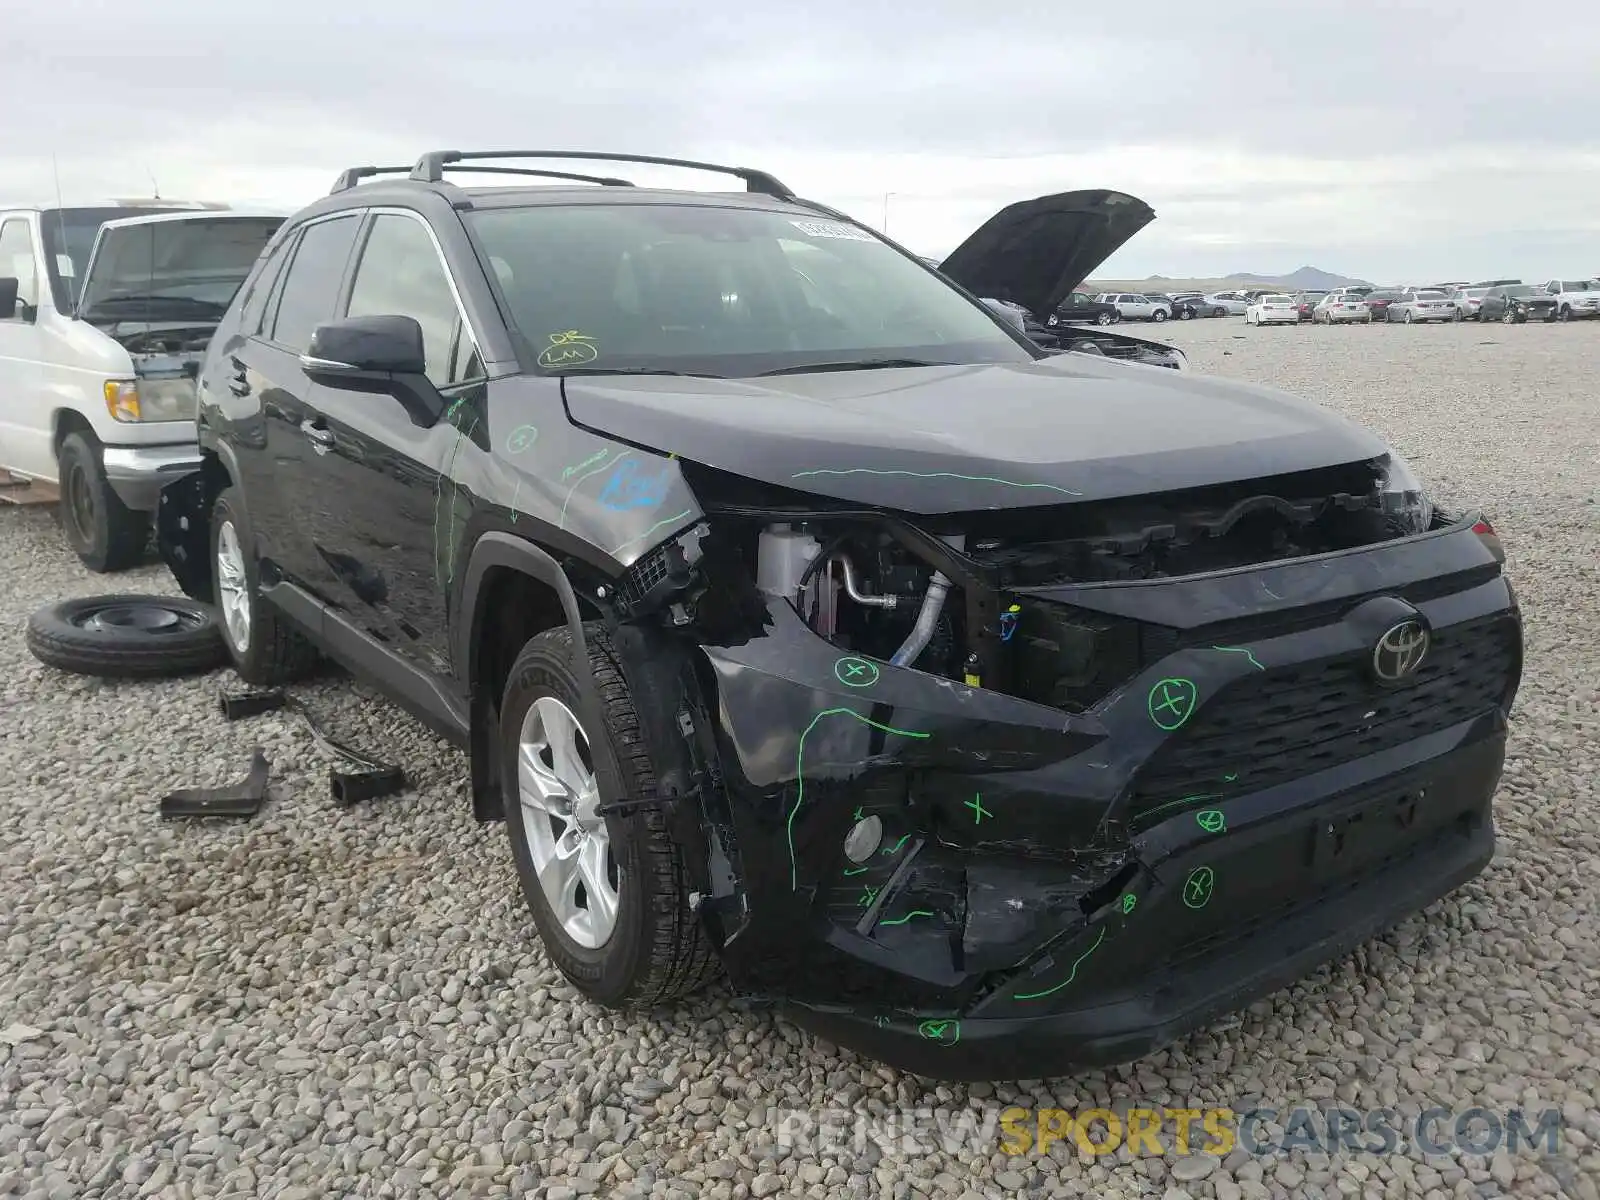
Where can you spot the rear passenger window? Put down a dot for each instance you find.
(311, 287)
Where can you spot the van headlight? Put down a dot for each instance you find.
(171, 398)
(1405, 502)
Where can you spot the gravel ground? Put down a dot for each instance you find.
(351, 1003)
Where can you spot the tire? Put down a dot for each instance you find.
(266, 649)
(1407, 319)
(102, 531)
(1159, 315)
(655, 950)
(1507, 317)
(1186, 314)
(1104, 318)
(127, 636)
(1561, 314)
(1456, 316)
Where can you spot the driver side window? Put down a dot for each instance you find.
(17, 258)
(400, 273)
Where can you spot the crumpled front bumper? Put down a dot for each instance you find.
(1028, 905)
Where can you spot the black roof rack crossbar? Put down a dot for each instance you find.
(351, 176)
(607, 180)
(430, 167)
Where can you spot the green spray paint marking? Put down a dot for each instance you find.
(521, 438)
(857, 870)
(895, 849)
(979, 812)
(1172, 702)
(946, 1032)
(672, 520)
(800, 774)
(1177, 804)
(916, 912)
(601, 463)
(515, 493)
(596, 457)
(1212, 820)
(858, 815)
(1048, 487)
(1230, 778)
(868, 895)
(1128, 902)
(1244, 650)
(1070, 977)
(1198, 887)
(444, 525)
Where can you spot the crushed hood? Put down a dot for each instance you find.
(947, 439)
(182, 267)
(1035, 252)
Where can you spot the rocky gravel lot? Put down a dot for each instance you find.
(351, 1003)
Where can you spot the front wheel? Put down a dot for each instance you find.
(1562, 314)
(1406, 320)
(1159, 315)
(1456, 316)
(1104, 318)
(102, 531)
(1186, 314)
(609, 893)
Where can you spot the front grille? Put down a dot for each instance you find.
(1274, 726)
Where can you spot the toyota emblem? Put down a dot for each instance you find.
(1400, 651)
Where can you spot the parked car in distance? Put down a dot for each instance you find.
(1496, 283)
(1574, 297)
(1466, 300)
(1080, 308)
(1233, 304)
(1274, 308)
(1187, 308)
(723, 668)
(1420, 304)
(1380, 299)
(1340, 308)
(1305, 303)
(1353, 289)
(1516, 303)
(105, 312)
(1134, 306)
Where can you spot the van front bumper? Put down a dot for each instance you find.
(138, 473)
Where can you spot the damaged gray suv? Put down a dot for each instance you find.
(996, 711)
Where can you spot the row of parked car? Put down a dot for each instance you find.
(1508, 300)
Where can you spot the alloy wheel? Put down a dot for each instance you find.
(233, 587)
(568, 842)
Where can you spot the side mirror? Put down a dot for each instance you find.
(382, 345)
(8, 298)
(382, 354)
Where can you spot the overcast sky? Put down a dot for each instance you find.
(1388, 139)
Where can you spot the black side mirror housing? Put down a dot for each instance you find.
(8, 297)
(383, 354)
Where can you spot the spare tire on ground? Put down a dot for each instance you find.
(127, 637)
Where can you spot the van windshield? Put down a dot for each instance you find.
(68, 235)
(703, 289)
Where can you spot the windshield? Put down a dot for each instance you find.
(1475, 293)
(1430, 295)
(722, 291)
(68, 238)
(1579, 285)
(181, 269)
(1519, 289)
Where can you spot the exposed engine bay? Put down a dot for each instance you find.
(969, 599)
(144, 339)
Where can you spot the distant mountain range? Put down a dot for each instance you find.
(1306, 279)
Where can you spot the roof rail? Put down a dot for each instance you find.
(348, 179)
(430, 167)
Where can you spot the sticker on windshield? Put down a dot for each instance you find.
(64, 267)
(832, 229)
(567, 349)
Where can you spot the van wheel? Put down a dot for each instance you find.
(609, 893)
(266, 650)
(102, 531)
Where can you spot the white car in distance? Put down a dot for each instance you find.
(1341, 308)
(1467, 301)
(1575, 297)
(1274, 309)
(1420, 304)
(1131, 306)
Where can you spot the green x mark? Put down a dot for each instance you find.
(855, 672)
(946, 1032)
(1128, 902)
(1171, 702)
(1197, 888)
(1211, 820)
(868, 895)
(979, 812)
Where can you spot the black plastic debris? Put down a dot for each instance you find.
(242, 799)
(370, 780)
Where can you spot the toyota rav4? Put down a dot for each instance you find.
(994, 711)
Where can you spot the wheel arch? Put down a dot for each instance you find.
(65, 422)
(512, 591)
(183, 524)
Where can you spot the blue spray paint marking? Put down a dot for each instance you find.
(627, 489)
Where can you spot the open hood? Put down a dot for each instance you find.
(962, 438)
(1035, 252)
(172, 267)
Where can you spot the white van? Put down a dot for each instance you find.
(105, 313)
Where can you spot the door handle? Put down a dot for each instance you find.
(317, 432)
